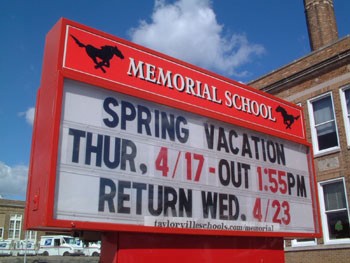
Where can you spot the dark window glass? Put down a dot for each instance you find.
(325, 123)
(336, 210)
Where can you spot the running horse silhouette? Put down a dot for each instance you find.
(288, 119)
(101, 57)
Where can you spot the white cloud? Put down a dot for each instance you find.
(29, 115)
(188, 30)
(13, 181)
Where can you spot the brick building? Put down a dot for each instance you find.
(320, 83)
(11, 221)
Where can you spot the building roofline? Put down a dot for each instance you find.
(305, 69)
(12, 203)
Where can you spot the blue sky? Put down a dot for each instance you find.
(242, 40)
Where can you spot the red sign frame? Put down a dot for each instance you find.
(182, 86)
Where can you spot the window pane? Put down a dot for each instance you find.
(31, 234)
(305, 239)
(325, 129)
(15, 226)
(338, 224)
(327, 136)
(323, 110)
(334, 197)
(347, 99)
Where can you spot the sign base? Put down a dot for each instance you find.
(139, 247)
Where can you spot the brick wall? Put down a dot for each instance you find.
(7, 209)
(318, 256)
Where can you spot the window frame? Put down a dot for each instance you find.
(314, 137)
(1, 233)
(324, 220)
(346, 114)
(15, 218)
(300, 243)
(31, 235)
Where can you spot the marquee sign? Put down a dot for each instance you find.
(144, 142)
(169, 81)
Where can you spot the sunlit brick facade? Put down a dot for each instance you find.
(11, 219)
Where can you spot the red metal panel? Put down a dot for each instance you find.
(155, 248)
(228, 92)
(42, 169)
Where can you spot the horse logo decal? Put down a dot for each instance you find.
(100, 56)
(288, 119)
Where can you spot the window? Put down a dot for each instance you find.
(334, 212)
(304, 242)
(15, 227)
(1, 233)
(345, 102)
(48, 242)
(323, 124)
(57, 242)
(31, 235)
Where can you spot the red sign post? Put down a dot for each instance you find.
(166, 160)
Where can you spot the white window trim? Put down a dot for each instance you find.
(31, 235)
(326, 239)
(318, 152)
(299, 243)
(16, 217)
(345, 112)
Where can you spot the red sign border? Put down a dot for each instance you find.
(177, 102)
(43, 164)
